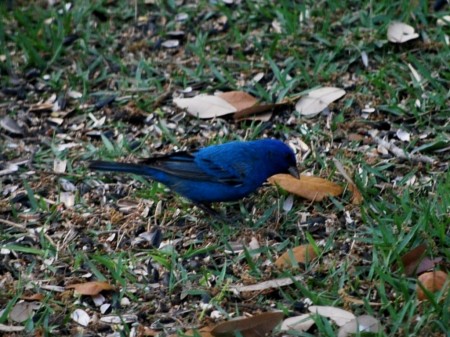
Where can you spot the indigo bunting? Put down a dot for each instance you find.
(223, 172)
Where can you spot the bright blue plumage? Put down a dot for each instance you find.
(224, 172)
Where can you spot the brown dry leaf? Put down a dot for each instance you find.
(311, 188)
(411, 260)
(262, 112)
(432, 282)
(239, 99)
(90, 288)
(301, 254)
(34, 297)
(357, 197)
(255, 326)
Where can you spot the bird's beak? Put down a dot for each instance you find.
(293, 171)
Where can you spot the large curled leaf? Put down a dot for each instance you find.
(311, 188)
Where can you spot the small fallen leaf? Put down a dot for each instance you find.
(11, 125)
(411, 260)
(365, 59)
(205, 106)
(311, 188)
(288, 203)
(59, 165)
(301, 254)
(90, 288)
(399, 32)
(298, 323)
(23, 310)
(432, 282)
(171, 43)
(81, 317)
(403, 135)
(317, 100)
(364, 323)
(257, 325)
(337, 315)
(67, 198)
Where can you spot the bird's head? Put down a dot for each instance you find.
(281, 158)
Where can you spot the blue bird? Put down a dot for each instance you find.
(225, 172)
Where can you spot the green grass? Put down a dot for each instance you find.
(405, 203)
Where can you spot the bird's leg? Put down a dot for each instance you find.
(207, 209)
(216, 215)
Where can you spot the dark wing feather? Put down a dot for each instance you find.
(183, 165)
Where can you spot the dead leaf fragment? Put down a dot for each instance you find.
(271, 284)
(34, 297)
(301, 254)
(311, 188)
(90, 288)
(23, 310)
(432, 281)
(363, 323)
(337, 315)
(11, 328)
(81, 317)
(11, 125)
(317, 100)
(399, 32)
(298, 323)
(257, 325)
(205, 106)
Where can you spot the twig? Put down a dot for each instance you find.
(402, 154)
(24, 229)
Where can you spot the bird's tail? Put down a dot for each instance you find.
(119, 167)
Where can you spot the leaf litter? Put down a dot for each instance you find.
(96, 230)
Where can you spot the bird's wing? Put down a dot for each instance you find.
(186, 165)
